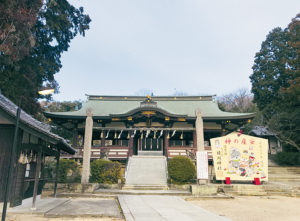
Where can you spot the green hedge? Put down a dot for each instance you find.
(181, 170)
(69, 171)
(105, 171)
(287, 158)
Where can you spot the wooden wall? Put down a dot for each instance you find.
(6, 140)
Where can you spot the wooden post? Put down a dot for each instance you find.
(36, 178)
(130, 144)
(223, 130)
(75, 137)
(57, 172)
(11, 165)
(103, 139)
(166, 146)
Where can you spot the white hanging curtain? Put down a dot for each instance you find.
(173, 133)
(107, 134)
(161, 133)
(132, 136)
(120, 134)
(147, 133)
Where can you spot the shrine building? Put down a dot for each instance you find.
(117, 127)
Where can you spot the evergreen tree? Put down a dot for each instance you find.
(270, 71)
(57, 23)
(276, 82)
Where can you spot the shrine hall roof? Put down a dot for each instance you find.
(181, 106)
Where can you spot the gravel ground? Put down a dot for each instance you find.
(254, 208)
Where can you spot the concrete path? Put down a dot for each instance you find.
(156, 208)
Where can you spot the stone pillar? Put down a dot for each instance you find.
(87, 147)
(195, 140)
(200, 138)
(199, 131)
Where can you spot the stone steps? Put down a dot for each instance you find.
(243, 190)
(146, 172)
(145, 187)
(284, 174)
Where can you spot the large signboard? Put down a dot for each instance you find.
(240, 157)
(202, 165)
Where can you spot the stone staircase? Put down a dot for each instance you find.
(146, 173)
(243, 189)
(284, 174)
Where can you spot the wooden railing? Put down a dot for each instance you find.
(186, 151)
(122, 152)
(110, 152)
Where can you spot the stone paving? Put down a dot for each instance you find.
(71, 207)
(146, 208)
(134, 207)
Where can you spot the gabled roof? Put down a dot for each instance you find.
(28, 122)
(109, 106)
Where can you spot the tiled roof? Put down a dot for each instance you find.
(103, 106)
(10, 108)
(261, 131)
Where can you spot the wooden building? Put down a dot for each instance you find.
(34, 143)
(117, 127)
(263, 132)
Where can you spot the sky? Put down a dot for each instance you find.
(165, 46)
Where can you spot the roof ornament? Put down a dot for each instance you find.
(148, 102)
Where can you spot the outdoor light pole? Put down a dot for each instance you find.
(11, 163)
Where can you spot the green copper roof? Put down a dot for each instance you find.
(104, 106)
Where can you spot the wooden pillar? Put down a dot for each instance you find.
(130, 144)
(166, 146)
(223, 130)
(199, 131)
(57, 172)
(75, 138)
(103, 139)
(87, 147)
(36, 178)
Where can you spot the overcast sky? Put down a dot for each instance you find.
(192, 46)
